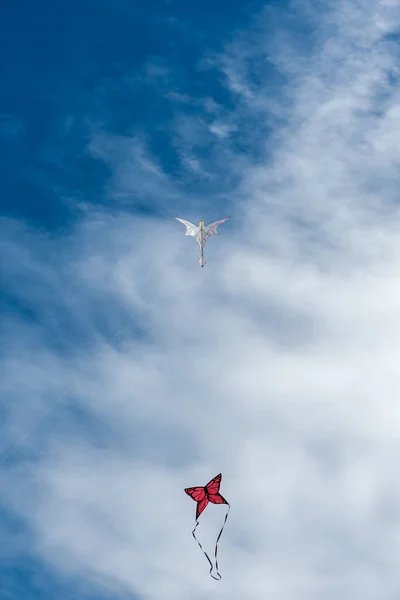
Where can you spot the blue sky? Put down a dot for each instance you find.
(275, 365)
(68, 69)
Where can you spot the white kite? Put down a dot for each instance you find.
(202, 232)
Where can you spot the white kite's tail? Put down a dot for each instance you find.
(202, 261)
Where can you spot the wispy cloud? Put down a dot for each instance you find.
(277, 364)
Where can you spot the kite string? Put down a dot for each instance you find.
(216, 546)
(64, 394)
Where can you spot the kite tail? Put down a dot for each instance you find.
(216, 546)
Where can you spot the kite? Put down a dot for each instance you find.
(201, 232)
(204, 495)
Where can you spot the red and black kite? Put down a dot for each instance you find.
(203, 495)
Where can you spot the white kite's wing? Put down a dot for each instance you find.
(211, 229)
(187, 223)
(191, 229)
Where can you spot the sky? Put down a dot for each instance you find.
(127, 372)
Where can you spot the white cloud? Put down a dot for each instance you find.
(222, 130)
(277, 364)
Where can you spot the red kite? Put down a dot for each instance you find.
(203, 495)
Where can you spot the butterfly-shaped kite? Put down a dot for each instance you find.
(203, 495)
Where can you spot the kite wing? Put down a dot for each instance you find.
(201, 506)
(211, 229)
(197, 493)
(200, 496)
(191, 229)
(212, 488)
